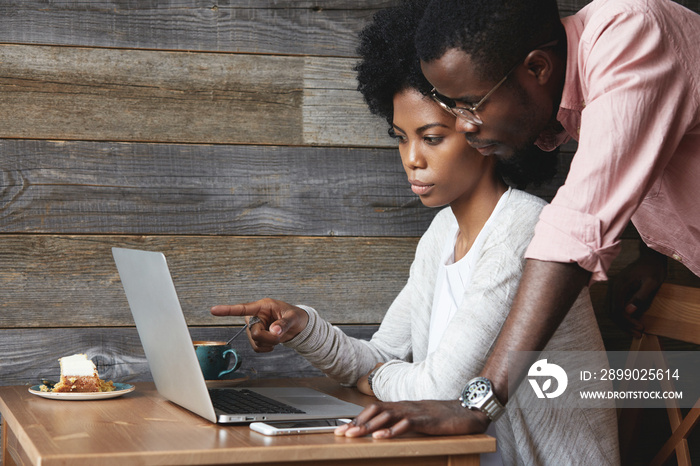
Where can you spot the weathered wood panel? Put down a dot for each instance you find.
(165, 96)
(30, 354)
(156, 96)
(268, 26)
(124, 188)
(65, 281)
(276, 27)
(97, 188)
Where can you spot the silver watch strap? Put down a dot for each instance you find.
(493, 409)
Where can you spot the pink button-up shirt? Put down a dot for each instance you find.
(631, 99)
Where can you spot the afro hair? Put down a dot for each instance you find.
(388, 60)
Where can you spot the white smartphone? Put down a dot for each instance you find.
(312, 426)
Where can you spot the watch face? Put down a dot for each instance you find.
(478, 395)
(476, 390)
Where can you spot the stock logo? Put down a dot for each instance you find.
(542, 369)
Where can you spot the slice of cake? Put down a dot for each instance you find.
(79, 374)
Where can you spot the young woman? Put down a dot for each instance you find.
(439, 330)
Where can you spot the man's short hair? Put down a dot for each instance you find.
(495, 33)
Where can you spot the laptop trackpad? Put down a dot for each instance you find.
(304, 400)
(299, 397)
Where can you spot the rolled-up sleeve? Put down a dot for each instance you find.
(565, 235)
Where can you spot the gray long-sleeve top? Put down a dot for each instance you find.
(410, 373)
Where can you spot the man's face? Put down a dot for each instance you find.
(513, 116)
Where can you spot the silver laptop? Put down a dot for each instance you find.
(171, 356)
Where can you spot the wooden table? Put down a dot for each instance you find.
(143, 428)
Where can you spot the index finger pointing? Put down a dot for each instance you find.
(235, 310)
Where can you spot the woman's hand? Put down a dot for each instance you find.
(278, 321)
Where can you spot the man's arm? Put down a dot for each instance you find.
(546, 293)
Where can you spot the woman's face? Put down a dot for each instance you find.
(441, 165)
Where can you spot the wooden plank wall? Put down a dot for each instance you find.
(228, 135)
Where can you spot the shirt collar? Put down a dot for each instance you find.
(572, 95)
(572, 101)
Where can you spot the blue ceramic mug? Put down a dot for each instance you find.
(215, 357)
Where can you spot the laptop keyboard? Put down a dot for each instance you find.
(245, 401)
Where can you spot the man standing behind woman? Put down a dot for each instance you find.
(621, 78)
(440, 329)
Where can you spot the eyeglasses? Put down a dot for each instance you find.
(469, 113)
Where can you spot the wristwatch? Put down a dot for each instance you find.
(478, 394)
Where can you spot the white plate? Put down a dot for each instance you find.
(119, 390)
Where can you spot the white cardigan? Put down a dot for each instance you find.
(409, 373)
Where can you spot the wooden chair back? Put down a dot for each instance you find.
(675, 314)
